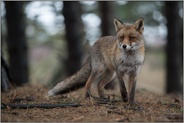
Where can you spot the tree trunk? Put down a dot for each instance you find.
(173, 58)
(74, 35)
(16, 42)
(6, 80)
(107, 16)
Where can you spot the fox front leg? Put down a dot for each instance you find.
(131, 88)
(123, 91)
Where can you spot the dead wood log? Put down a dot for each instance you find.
(46, 106)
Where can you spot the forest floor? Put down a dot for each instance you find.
(153, 107)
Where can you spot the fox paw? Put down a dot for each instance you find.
(103, 99)
(125, 99)
(134, 106)
(88, 94)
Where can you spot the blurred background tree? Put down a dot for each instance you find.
(74, 35)
(17, 42)
(174, 62)
(58, 45)
(106, 9)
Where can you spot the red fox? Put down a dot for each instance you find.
(110, 57)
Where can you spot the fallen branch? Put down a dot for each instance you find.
(23, 99)
(47, 106)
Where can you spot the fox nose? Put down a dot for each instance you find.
(124, 46)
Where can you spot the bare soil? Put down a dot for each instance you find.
(153, 107)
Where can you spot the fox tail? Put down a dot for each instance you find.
(73, 82)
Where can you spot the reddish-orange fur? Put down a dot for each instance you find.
(112, 57)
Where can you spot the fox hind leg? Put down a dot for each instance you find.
(95, 75)
(108, 77)
(88, 85)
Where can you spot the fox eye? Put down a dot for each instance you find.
(121, 37)
(132, 37)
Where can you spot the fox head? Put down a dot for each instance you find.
(129, 36)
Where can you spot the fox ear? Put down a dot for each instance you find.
(139, 25)
(118, 24)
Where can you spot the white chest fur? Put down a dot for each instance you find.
(130, 62)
